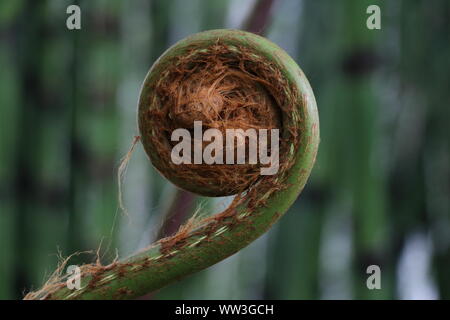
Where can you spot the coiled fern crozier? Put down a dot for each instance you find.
(204, 242)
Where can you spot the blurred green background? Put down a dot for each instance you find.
(379, 193)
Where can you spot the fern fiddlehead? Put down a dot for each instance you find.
(202, 243)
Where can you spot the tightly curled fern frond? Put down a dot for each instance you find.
(202, 243)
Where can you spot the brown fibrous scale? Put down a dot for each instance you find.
(224, 87)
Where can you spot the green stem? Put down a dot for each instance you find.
(214, 239)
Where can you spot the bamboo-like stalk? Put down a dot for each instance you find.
(201, 245)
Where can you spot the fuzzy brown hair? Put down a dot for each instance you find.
(225, 89)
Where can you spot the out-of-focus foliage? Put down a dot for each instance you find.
(379, 193)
